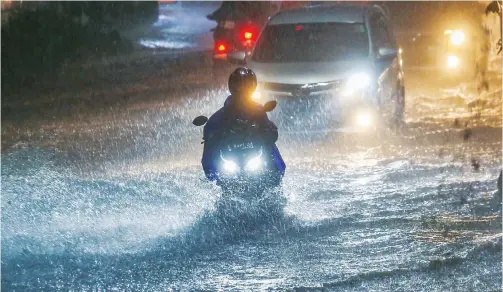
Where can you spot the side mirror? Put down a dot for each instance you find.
(199, 121)
(270, 105)
(387, 52)
(237, 58)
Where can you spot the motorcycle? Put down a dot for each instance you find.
(247, 168)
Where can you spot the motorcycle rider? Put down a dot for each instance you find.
(238, 107)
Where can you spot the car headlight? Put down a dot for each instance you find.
(457, 37)
(229, 166)
(364, 119)
(355, 83)
(452, 61)
(255, 163)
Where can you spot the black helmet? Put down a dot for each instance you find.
(242, 81)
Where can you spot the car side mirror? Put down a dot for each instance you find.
(199, 121)
(238, 58)
(270, 105)
(387, 52)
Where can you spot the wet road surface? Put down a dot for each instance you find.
(102, 190)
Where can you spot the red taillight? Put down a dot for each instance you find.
(248, 33)
(298, 27)
(221, 47)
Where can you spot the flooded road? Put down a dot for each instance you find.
(108, 193)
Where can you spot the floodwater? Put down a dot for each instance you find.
(114, 199)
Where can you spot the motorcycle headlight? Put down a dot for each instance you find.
(229, 166)
(355, 83)
(255, 163)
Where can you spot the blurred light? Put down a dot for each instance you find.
(230, 166)
(359, 80)
(6, 3)
(399, 50)
(452, 61)
(256, 95)
(447, 32)
(248, 33)
(356, 82)
(298, 27)
(401, 62)
(221, 47)
(255, 163)
(457, 37)
(364, 120)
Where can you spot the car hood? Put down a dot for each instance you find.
(304, 73)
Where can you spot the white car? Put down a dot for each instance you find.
(339, 59)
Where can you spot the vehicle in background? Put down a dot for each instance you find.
(288, 4)
(238, 26)
(458, 54)
(329, 62)
(450, 53)
(233, 35)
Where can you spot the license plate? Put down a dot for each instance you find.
(243, 146)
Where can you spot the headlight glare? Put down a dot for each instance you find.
(457, 37)
(452, 61)
(364, 119)
(355, 83)
(229, 166)
(255, 163)
(256, 95)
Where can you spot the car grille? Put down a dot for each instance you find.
(302, 89)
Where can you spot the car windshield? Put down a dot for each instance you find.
(312, 42)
